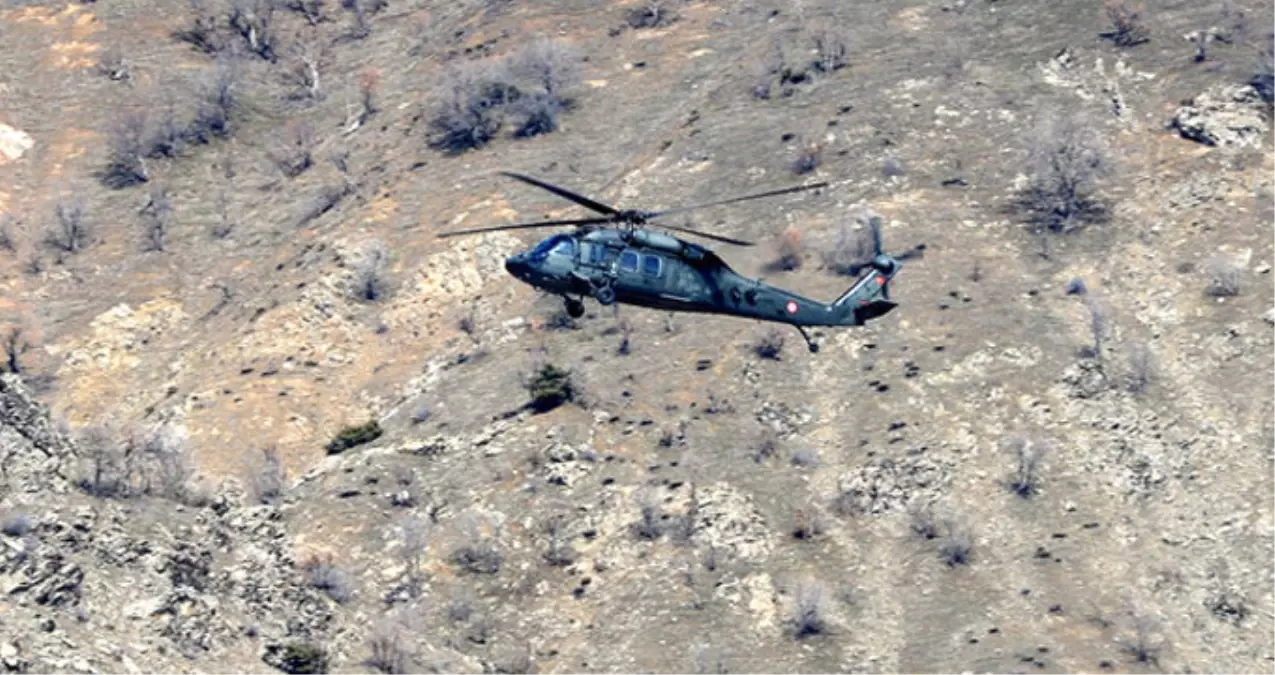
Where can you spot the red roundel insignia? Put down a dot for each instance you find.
(792, 307)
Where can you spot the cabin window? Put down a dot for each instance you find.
(629, 261)
(597, 254)
(651, 265)
(564, 247)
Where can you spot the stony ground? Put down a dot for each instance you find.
(698, 506)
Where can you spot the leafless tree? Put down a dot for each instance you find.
(69, 233)
(1128, 26)
(1067, 158)
(548, 65)
(156, 217)
(308, 58)
(8, 241)
(1142, 367)
(126, 151)
(389, 649)
(831, 50)
(293, 152)
(852, 251)
(1144, 643)
(1027, 453)
(323, 574)
(217, 99)
(253, 20)
(312, 10)
(770, 345)
(17, 341)
(225, 221)
(267, 476)
(362, 10)
(1099, 325)
(468, 109)
(202, 32)
(955, 544)
(414, 537)
(560, 552)
(370, 273)
(369, 90)
(650, 525)
(478, 553)
(808, 615)
(789, 250)
(168, 463)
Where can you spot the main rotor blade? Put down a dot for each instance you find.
(523, 226)
(772, 193)
(917, 251)
(717, 237)
(564, 193)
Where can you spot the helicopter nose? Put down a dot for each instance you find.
(517, 266)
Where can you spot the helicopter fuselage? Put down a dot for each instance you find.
(659, 271)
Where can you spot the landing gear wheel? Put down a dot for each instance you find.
(605, 295)
(575, 308)
(814, 347)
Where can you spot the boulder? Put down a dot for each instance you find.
(1224, 116)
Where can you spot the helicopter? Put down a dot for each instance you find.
(614, 258)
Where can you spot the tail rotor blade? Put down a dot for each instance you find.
(874, 224)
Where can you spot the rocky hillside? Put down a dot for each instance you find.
(257, 417)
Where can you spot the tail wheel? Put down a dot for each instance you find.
(605, 295)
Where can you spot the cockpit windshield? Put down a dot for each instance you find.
(560, 244)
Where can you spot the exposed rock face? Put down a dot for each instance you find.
(171, 581)
(726, 519)
(892, 484)
(1224, 116)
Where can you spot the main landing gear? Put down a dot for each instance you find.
(814, 347)
(575, 308)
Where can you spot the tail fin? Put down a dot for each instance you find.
(867, 299)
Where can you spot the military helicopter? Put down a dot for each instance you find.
(614, 258)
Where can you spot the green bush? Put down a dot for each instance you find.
(550, 387)
(352, 436)
(303, 657)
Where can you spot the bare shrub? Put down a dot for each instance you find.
(1263, 79)
(414, 536)
(312, 10)
(369, 90)
(253, 20)
(956, 543)
(770, 345)
(1128, 26)
(370, 272)
(852, 251)
(830, 49)
(1027, 453)
(168, 466)
(126, 152)
(534, 114)
(1224, 277)
(422, 414)
(789, 250)
(389, 649)
(560, 551)
(323, 574)
(808, 523)
(468, 110)
(1066, 160)
(548, 66)
(267, 476)
(891, 167)
(107, 462)
(362, 10)
(8, 241)
(293, 151)
(202, 31)
(216, 101)
(650, 14)
(156, 217)
(307, 60)
(921, 521)
(767, 445)
(808, 616)
(1099, 326)
(1076, 286)
(650, 524)
(1143, 643)
(114, 65)
(18, 340)
(809, 157)
(69, 233)
(225, 221)
(478, 553)
(1142, 367)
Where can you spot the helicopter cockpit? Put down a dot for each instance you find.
(559, 244)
